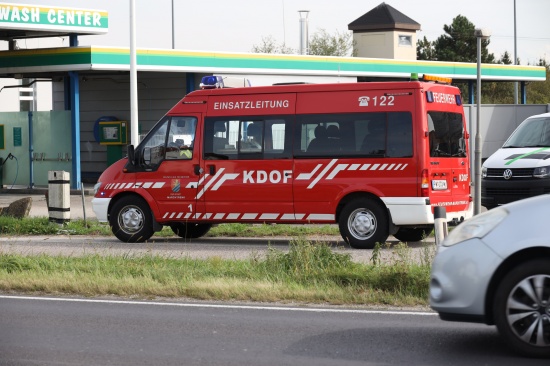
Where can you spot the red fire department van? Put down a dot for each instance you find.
(375, 158)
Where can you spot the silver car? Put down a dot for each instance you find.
(495, 269)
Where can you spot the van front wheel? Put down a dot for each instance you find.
(131, 220)
(190, 231)
(363, 223)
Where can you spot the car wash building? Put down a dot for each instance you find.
(88, 126)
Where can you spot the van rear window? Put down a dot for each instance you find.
(446, 134)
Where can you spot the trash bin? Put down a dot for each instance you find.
(59, 198)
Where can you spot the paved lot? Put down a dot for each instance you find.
(40, 208)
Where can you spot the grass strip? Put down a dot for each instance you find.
(307, 273)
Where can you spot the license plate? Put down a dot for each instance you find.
(439, 184)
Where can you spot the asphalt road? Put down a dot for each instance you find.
(49, 331)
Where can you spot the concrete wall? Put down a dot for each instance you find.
(385, 45)
(498, 122)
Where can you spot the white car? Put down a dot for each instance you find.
(495, 269)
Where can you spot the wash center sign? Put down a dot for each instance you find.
(53, 19)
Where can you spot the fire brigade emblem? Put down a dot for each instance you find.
(175, 185)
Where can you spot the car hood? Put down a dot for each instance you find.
(519, 157)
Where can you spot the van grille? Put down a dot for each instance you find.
(516, 173)
(524, 192)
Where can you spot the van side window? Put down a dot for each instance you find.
(400, 142)
(446, 134)
(354, 135)
(172, 138)
(247, 138)
(181, 138)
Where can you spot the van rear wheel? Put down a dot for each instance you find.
(363, 223)
(190, 231)
(131, 220)
(405, 234)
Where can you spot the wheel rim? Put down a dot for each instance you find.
(528, 310)
(131, 219)
(362, 224)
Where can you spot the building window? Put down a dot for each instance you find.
(405, 40)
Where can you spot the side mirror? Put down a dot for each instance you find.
(131, 155)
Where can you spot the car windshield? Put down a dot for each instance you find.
(533, 132)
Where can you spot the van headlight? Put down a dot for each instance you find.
(96, 187)
(542, 172)
(483, 172)
(476, 227)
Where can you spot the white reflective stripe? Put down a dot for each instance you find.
(116, 186)
(299, 216)
(223, 179)
(219, 216)
(233, 216)
(147, 185)
(321, 217)
(249, 216)
(383, 166)
(166, 214)
(404, 166)
(374, 167)
(137, 185)
(354, 166)
(288, 217)
(391, 166)
(209, 183)
(307, 176)
(269, 216)
(179, 215)
(158, 184)
(187, 215)
(365, 167)
(172, 215)
(336, 170)
(207, 215)
(322, 174)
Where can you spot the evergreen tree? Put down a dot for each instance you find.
(425, 50)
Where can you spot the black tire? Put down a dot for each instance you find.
(131, 220)
(406, 234)
(190, 231)
(523, 319)
(363, 223)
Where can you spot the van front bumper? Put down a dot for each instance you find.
(495, 192)
(101, 208)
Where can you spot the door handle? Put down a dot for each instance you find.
(198, 170)
(212, 169)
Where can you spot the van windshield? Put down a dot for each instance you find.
(533, 132)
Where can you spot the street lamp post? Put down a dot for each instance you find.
(480, 34)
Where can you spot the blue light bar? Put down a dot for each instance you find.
(211, 82)
(458, 100)
(429, 97)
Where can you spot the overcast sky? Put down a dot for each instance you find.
(238, 25)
